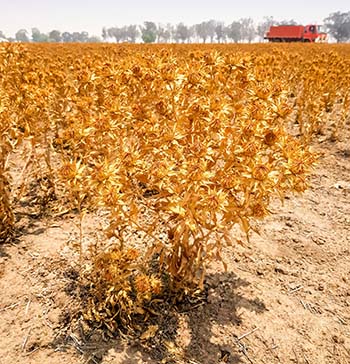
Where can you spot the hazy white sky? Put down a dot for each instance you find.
(92, 15)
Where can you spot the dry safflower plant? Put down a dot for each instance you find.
(193, 147)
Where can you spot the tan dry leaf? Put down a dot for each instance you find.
(150, 332)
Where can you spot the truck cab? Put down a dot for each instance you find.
(314, 33)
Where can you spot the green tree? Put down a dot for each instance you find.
(22, 36)
(80, 37)
(116, 33)
(131, 33)
(164, 33)
(55, 36)
(287, 22)
(149, 32)
(220, 31)
(67, 37)
(182, 32)
(248, 31)
(39, 37)
(104, 34)
(202, 31)
(234, 31)
(338, 25)
(265, 25)
(94, 39)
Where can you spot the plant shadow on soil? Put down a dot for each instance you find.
(217, 306)
(3, 253)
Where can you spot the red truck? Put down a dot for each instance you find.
(296, 33)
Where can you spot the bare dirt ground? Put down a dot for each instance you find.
(284, 299)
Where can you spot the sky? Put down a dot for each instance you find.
(92, 15)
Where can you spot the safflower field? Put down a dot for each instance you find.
(174, 203)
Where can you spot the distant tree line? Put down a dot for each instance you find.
(211, 31)
(36, 36)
